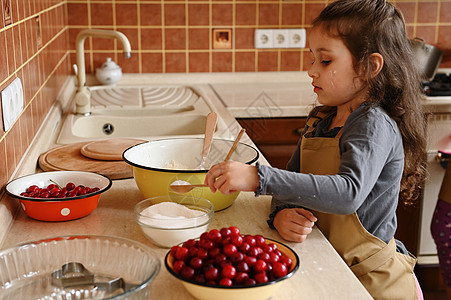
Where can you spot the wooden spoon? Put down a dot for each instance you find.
(210, 126)
(185, 188)
(235, 144)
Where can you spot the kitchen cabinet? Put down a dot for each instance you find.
(277, 138)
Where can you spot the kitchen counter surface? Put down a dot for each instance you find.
(322, 273)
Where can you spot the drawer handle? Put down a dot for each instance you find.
(298, 131)
(441, 157)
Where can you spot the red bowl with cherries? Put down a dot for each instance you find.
(225, 264)
(59, 195)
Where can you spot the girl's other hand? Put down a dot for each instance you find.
(231, 176)
(294, 224)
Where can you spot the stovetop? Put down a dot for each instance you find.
(439, 86)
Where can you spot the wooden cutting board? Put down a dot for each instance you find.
(110, 149)
(68, 157)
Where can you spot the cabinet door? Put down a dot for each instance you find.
(276, 138)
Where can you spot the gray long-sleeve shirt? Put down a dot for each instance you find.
(368, 180)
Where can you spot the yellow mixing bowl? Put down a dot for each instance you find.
(157, 164)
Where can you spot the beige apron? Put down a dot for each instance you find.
(385, 273)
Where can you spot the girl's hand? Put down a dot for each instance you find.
(294, 224)
(231, 176)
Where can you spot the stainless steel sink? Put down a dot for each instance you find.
(139, 112)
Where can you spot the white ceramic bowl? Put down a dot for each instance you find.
(34, 270)
(167, 231)
(157, 164)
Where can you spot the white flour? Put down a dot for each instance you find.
(172, 223)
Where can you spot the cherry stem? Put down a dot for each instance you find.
(56, 184)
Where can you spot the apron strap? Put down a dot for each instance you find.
(313, 121)
(376, 260)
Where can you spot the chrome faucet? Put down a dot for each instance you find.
(83, 95)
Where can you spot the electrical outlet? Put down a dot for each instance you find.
(280, 38)
(296, 38)
(263, 38)
(12, 103)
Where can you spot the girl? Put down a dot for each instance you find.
(360, 152)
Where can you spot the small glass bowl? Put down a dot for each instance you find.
(165, 231)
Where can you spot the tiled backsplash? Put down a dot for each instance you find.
(176, 36)
(42, 68)
(166, 36)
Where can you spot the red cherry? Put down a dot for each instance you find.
(250, 240)
(70, 186)
(220, 258)
(214, 235)
(188, 272)
(193, 251)
(173, 250)
(286, 261)
(225, 282)
(261, 277)
(241, 278)
(178, 266)
(245, 247)
(264, 256)
(250, 260)
(237, 257)
(32, 188)
(229, 250)
(212, 274)
(228, 271)
(226, 240)
(260, 266)
(214, 252)
(182, 253)
(199, 278)
(202, 253)
(237, 240)
(82, 192)
(260, 240)
(234, 230)
(190, 243)
(206, 244)
(225, 232)
(273, 258)
(242, 266)
(196, 263)
(52, 186)
(44, 195)
(279, 269)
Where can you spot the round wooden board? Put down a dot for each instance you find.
(110, 149)
(69, 158)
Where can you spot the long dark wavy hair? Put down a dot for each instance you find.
(377, 26)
